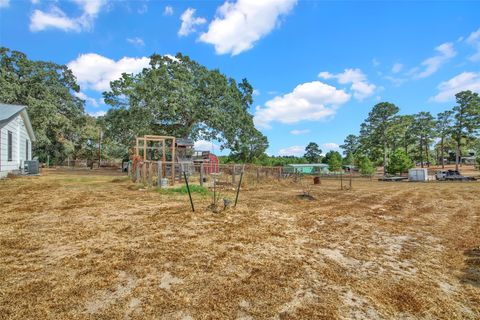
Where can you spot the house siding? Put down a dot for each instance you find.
(19, 138)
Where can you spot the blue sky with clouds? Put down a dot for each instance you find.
(317, 66)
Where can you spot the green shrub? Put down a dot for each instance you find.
(194, 188)
(399, 162)
(365, 166)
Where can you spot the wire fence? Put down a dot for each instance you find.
(156, 173)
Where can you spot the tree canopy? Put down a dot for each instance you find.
(178, 96)
(313, 153)
(47, 89)
(374, 133)
(385, 133)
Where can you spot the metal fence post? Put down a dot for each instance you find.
(201, 174)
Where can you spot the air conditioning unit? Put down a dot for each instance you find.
(31, 166)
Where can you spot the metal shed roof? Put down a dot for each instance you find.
(184, 142)
(299, 165)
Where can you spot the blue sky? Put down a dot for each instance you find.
(317, 67)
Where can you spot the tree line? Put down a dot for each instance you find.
(177, 96)
(172, 96)
(397, 141)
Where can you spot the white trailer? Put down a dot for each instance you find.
(418, 174)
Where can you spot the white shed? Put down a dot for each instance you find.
(16, 137)
(418, 174)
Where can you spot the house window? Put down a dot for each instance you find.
(26, 149)
(10, 146)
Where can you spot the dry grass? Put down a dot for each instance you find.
(78, 246)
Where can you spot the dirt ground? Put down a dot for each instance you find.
(79, 245)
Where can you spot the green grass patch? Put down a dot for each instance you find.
(183, 190)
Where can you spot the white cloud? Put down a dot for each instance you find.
(95, 72)
(238, 26)
(359, 83)
(204, 145)
(461, 82)
(375, 62)
(35, 1)
(256, 92)
(97, 114)
(308, 101)
(331, 146)
(136, 41)
(168, 11)
(474, 40)
(292, 151)
(189, 21)
(56, 18)
(4, 3)
(432, 64)
(397, 67)
(298, 132)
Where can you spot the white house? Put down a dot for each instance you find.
(16, 137)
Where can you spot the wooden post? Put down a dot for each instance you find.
(137, 173)
(201, 174)
(144, 171)
(159, 173)
(341, 181)
(164, 159)
(173, 161)
(258, 174)
(150, 173)
(214, 188)
(145, 149)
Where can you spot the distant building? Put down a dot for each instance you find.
(16, 137)
(307, 168)
(471, 158)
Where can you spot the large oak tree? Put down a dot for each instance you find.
(177, 96)
(47, 89)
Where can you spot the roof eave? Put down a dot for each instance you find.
(28, 124)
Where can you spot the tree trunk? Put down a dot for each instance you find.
(427, 151)
(441, 152)
(421, 153)
(457, 155)
(384, 158)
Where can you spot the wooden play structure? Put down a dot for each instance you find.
(151, 148)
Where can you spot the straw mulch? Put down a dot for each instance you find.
(91, 246)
